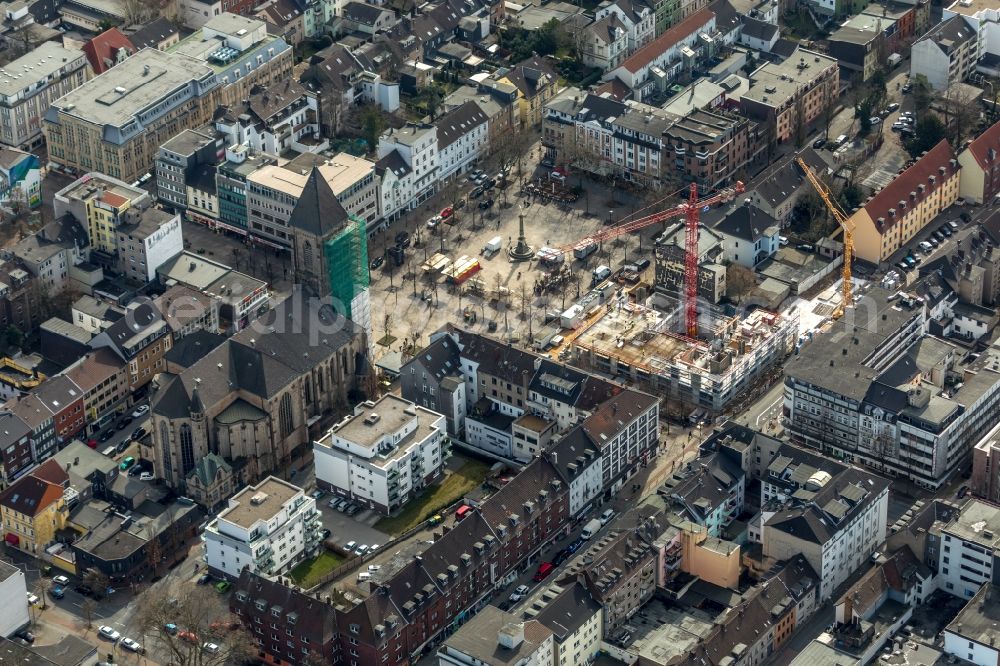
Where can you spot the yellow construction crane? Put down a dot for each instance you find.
(844, 223)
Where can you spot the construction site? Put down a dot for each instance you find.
(636, 343)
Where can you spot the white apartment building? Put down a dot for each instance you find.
(410, 155)
(877, 390)
(983, 17)
(973, 636)
(462, 137)
(577, 457)
(626, 430)
(835, 523)
(383, 455)
(638, 18)
(147, 240)
(13, 589)
(30, 84)
(268, 527)
(274, 120)
(968, 546)
(946, 54)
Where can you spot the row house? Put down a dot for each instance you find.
(454, 578)
(409, 163)
(669, 53)
(141, 339)
(462, 136)
(603, 43)
(103, 379)
(637, 17)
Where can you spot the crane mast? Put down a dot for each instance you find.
(844, 223)
(691, 263)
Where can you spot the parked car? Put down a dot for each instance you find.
(892, 107)
(477, 192)
(60, 580)
(138, 433)
(434, 221)
(544, 569)
(350, 546)
(132, 645)
(403, 239)
(519, 592)
(377, 262)
(170, 628)
(26, 636)
(211, 648)
(126, 463)
(819, 143)
(486, 205)
(361, 550)
(907, 88)
(558, 176)
(953, 224)
(205, 579)
(188, 636)
(962, 491)
(32, 599)
(146, 476)
(57, 592)
(109, 633)
(325, 534)
(353, 509)
(607, 516)
(447, 212)
(140, 411)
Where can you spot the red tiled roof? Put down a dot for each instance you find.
(981, 145)
(658, 46)
(30, 495)
(113, 199)
(51, 471)
(105, 46)
(908, 181)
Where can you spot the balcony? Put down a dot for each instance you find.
(393, 473)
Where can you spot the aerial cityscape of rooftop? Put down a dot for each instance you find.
(496, 333)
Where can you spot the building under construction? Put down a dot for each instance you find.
(347, 266)
(639, 343)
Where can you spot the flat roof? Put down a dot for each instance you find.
(94, 183)
(272, 494)
(363, 429)
(115, 97)
(190, 269)
(37, 65)
(785, 78)
(977, 522)
(340, 172)
(978, 620)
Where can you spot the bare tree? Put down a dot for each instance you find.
(740, 281)
(87, 609)
(200, 616)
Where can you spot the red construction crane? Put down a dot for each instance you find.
(691, 210)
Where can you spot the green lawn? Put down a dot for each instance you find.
(433, 499)
(309, 572)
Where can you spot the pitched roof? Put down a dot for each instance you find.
(747, 222)
(318, 211)
(362, 12)
(394, 162)
(609, 29)
(458, 122)
(30, 495)
(758, 29)
(985, 148)
(910, 181)
(950, 33)
(102, 50)
(151, 34)
(51, 471)
(674, 34)
(208, 467)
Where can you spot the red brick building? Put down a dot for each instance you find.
(456, 575)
